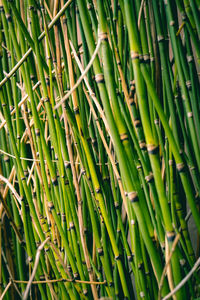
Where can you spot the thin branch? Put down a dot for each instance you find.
(10, 273)
(10, 218)
(6, 289)
(167, 264)
(92, 95)
(82, 76)
(140, 13)
(61, 280)
(37, 258)
(24, 57)
(196, 265)
(38, 160)
(11, 187)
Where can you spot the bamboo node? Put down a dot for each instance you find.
(30, 259)
(110, 284)
(141, 58)
(123, 137)
(32, 77)
(85, 292)
(11, 108)
(189, 58)
(190, 114)
(180, 167)
(146, 58)
(6, 158)
(133, 196)
(93, 141)
(47, 81)
(188, 84)
(137, 123)
(63, 217)
(182, 262)
(149, 178)
(140, 266)
(170, 235)
(160, 38)
(142, 295)
(54, 181)
(42, 277)
(9, 17)
(142, 145)
(42, 7)
(130, 258)
(75, 275)
(116, 205)
(183, 97)
(71, 225)
(117, 257)
(99, 78)
(76, 110)
(98, 190)
(37, 132)
(67, 165)
(152, 149)
(134, 55)
(132, 83)
(26, 173)
(103, 36)
(100, 251)
(46, 99)
(69, 268)
(50, 205)
(89, 6)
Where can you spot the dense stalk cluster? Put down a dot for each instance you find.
(99, 149)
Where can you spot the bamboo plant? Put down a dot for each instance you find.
(99, 149)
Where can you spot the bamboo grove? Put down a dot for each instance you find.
(99, 149)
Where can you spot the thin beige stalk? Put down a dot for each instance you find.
(6, 289)
(168, 259)
(81, 77)
(37, 258)
(75, 179)
(92, 95)
(187, 277)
